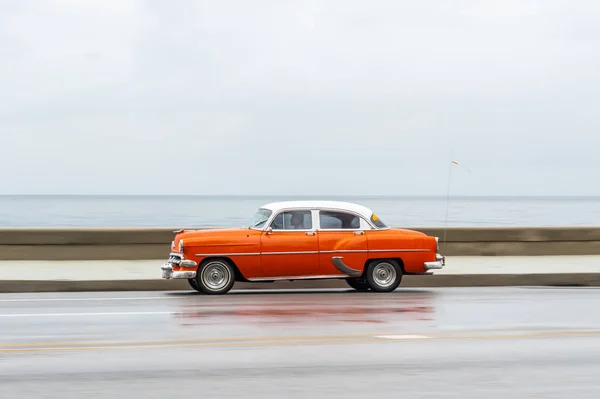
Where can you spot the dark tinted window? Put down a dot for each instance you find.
(338, 220)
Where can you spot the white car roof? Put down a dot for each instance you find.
(338, 205)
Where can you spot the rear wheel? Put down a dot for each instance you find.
(215, 276)
(359, 285)
(383, 275)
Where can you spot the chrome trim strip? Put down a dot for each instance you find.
(261, 253)
(337, 262)
(313, 252)
(293, 231)
(344, 251)
(231, 254)
(311, 277)
(398, 250)
(349, 230)
(371, 250)
(291, 253)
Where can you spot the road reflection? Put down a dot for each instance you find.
(288, 309)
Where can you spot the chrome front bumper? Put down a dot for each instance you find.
(438, 264)
(176, 259)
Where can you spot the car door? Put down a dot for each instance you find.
(342, 241)
(290, 249)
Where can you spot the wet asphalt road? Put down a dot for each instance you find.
(451, 343)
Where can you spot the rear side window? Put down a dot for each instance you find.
(338, 220)
(377, 222)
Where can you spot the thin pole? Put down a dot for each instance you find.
(448, 194)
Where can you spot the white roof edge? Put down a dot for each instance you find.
(341, 205)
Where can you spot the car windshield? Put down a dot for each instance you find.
(259, 218)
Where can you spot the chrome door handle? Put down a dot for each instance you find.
(310, 233)
(359, 232)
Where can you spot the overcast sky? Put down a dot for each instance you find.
(299, 97)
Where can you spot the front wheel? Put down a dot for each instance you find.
(358, 285)
(215, 277)
(192, 282)
(383, 275)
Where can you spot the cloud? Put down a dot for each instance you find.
(113, 96)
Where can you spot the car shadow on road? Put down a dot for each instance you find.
(341, 291)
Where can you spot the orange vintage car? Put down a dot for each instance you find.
(302, 240)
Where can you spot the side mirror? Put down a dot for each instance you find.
(269, 230)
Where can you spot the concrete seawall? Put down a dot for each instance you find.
(154, 243)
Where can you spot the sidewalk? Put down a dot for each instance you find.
(150, 270)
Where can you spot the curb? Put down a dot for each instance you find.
(439, 281)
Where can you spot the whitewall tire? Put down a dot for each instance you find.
(215, 277)
(383, 275)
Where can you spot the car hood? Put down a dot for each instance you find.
(211, 237)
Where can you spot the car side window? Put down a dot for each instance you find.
(338, 220)
(292, 220)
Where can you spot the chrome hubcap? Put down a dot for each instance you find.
(215, 276)
(384, 274)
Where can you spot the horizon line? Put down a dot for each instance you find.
(313, 195)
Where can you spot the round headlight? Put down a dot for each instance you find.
(181, 246)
